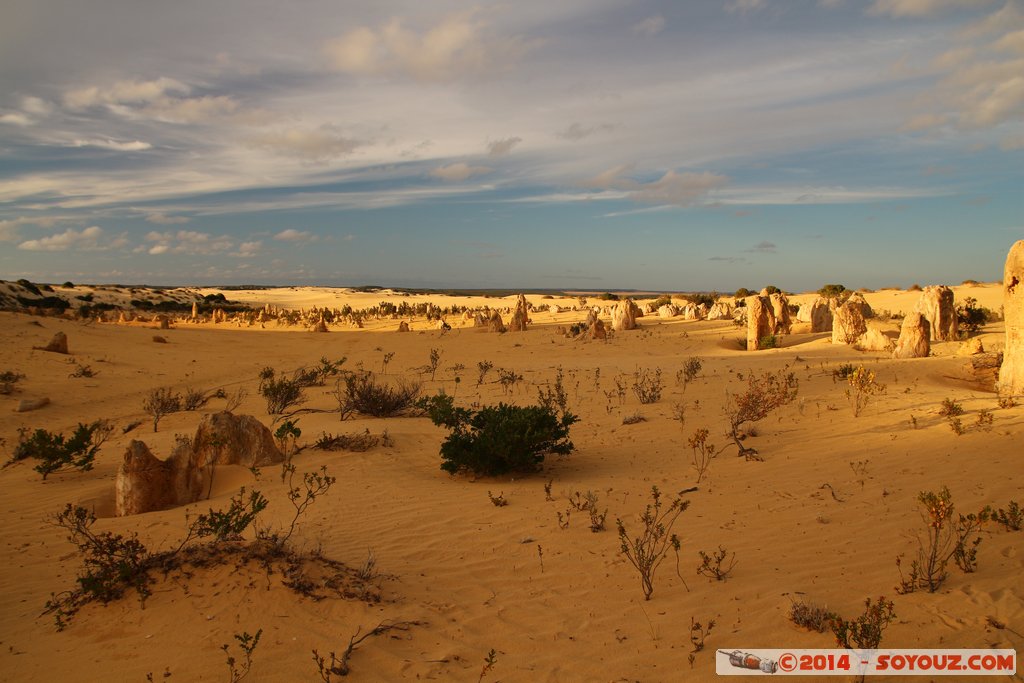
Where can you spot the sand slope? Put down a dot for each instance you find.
(471, 571)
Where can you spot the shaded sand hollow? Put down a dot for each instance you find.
(470, 571)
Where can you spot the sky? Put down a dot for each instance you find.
(575, 144)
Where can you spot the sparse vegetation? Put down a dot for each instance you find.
(970, 316)
(862, 386)
(865, 632)
(1012, 518)
(698, 634)
(764, 394)
(498, 439)
(647, 550)
(247, 643)
(338, 666)
(498, 501)
(357, 443)
(945, 538)
(810, 616)
(647, 385)
(55, 452)
(8, 380)
(718, 565)
(282, 394)
(691, 368)
(703, 452)
(364, 394)
(160, 402)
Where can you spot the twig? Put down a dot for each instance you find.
(831, 490)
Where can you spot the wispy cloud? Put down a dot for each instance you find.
(293, 235)
(651, 26)
(497, 148)
(763, 247)
(161, 218)
(87, 239)
(459, 171)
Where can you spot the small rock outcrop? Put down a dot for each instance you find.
(495, 323)
(403, 326)
(27, 404)
(720, 311)
(59, 344)
(597, 330)
(146, 483)
(848, 323)
(667, 311)
(521, 315)
(874, 339)
(1011, 374)
(936, 304)
(760, 322)
(915, 337)
(971, 347)
(818, 313)
(780, 309)
(624, 315)
(858, 300)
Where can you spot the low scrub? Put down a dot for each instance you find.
(364, 394)
(498, 439)
(55, 452)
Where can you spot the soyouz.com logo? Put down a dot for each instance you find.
(894, 662)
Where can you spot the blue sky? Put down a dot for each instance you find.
(591, 144)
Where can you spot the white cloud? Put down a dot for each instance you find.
(577, 131)
(612, 178)
(499, 148)
(36, 106)
(189, 242)
(84, 240)
(459, 45)
(681, 189)
(123, 92)
(293, 235)
(133, 146)
(459, 171)
(318, 144)
(191, 110)
(161, 218)
(922, 8)
(651, 26)
(16, 118)
(1011, 42)
(743, 6)
(248, 249)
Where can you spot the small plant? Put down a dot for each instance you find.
(282, 394)
(1003, 402)
(228, 525)
(489, 661)
(843, 372)
(970, 316)
(57, 452)
(1012, 518)
(159, 402)
(8, 380)
(957, 425)
(83, 371)
(763, 395)
(368, 570)
(698, 634)
(862, 386)
(483, 367)
(498, 439)
(365, 395)
(951, 408)
(384, 362)
(865, 632)
(498, 501)
(715, 566)
(338, 666)
(703, 452)
(508, 380)
(232, 400)
(635, 418)
(679, 414)
(648, 550)
(547, 490)
(810, 616)
(647, 385)
(946, 538)
(984, 420)
(435, 359)
(287, 437)
(314, 485)
(555, 396)
(691, 368)
(247, 642)
(194, 399)
(357, 443)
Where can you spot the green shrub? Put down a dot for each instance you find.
(56, 452)
(365, 395)
(832, 291)
(971, 317)
(498, 439)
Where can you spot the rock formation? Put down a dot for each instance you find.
(27, 404)
(403, 326)
(720, 311)
(146, 483)
(495, 323)
(915, 335)
(856, 299)
(597, 330)
(760, 322)
(874, 339)
(667, 311)
(818, 313)
(521, 316)
(1011, 374)
(848, 323)
(936, 304)
(780, 309)
(624, 315)
(971, 347)
(59, 344)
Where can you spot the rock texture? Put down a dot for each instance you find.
(848, 324)
(403, 326)
(1011, 374)
(27, 404)
(597, 330)
(146, 483)
(856, 299)
(495, 323)
(971, 347)
(936, 304)
(818, 313)
(667, 311)
(874, 339)
(624, 315)
(59, 344)
(780, 309)
(915, 336)
(760, 321)
(521, 315)
(720, 311)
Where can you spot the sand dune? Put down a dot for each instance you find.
(471, 572)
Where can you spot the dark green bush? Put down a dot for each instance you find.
(832, 291)
(56, 452)
(498, 439)
(970, 316)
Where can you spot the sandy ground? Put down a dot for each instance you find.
(470, 571)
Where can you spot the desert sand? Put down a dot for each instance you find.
(822, 518)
